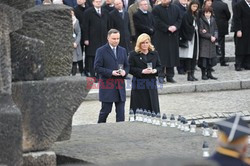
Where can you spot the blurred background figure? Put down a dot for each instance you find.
(232, 143)
(71, 3)
(108, 5)
(77, 54)
(120, 20)
(222, 16)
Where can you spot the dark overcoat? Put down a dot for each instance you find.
(121, 24)
(95, 29)
(79, 13)
(144, 23)
(242, 23)
(144, 92)
(166, 42)
(222, 16)
(111, 88)
(207, 48)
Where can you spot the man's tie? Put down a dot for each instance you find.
(114, 50)
(99, 12)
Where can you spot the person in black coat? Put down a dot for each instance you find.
(182, 4)
(96, 26)
(144, 65)
(166, 38)
(108, 5)
(189, 33)
(222, 16)
(241, 17)
(119, 20)
(71, 3)
(143, 20)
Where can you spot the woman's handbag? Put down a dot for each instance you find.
(183, 43)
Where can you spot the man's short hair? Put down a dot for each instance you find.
(111, 31)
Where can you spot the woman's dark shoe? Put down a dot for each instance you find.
(203, 74)
(192, 74)
(209, 75)
(189, 76)
(224, 64)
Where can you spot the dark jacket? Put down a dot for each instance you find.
(187, 29)
(111, 88)
(144, 92)
(166, 42)
(79, 13)
(242, 22)
(71, 3)
(95, 29)
(144, 23)
(222, 16)
(121, 24)
(207, 48)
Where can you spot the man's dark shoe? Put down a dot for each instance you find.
(171, 80)
(181, 72)
(204, 77)
(161, 80)
(224, 64)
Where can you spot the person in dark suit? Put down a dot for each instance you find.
(143, 20)
(167, 23)
(120, 20)
(232, 142)
(96, 26)
(144, 65)
(108, 5)
(241, 15)
(222, 16)
(112, 66)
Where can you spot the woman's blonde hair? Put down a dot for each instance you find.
(142, 38)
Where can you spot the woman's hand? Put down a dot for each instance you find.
(147, 71)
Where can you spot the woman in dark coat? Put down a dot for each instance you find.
(144, 65)
(189, 33)
(208, 35)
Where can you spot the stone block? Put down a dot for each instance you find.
(10, 132)
(218, 86)
(246, 113)
(26, 58)
(184, 88)
(206, 116)
(220, 115)
(213, 115)
(53, 25)
(245, 84)
(19, 4)
(41, 158)
(47, 107)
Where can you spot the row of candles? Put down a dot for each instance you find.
(181, 123)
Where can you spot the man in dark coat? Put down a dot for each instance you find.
(167, 22)
(96, 26)
(112, 66)
(241, 17)
(71, 3)
(108, 5)
(222, 16)
(120, 20)
(182, 4)
(143, 20)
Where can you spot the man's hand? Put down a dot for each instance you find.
(172, 28)
(213, 39)
(239, 34)
(86, 42)
(75, 45)
(122, 72)
(116, 73)
(204, 31)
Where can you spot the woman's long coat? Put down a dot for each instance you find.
(96, 29)
(242, 22)
(77, 54)
(207, 48)
(166, 42)
(144, 92)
